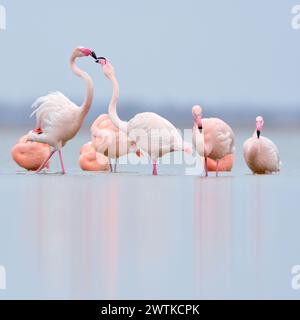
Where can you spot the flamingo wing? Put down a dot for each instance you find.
(219, 138)
(54, 110)
(149, 130)
(272, 154)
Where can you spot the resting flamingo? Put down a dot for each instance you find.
(212, 137)
(225, 164)
(89, 160)
(30, 155)
(260, 153)
(59, 119)
(146, 131)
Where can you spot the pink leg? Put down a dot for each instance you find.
(61, 162)
(45, 162)
(206, 167)
(154, 168)
(217, 169)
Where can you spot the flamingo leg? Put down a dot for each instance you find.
(110, 165)
(154, 173)
(206, 167)
(217, 169)
(61, 162)
(45, 162)
(115, 165)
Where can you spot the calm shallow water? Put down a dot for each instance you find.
(131, 235)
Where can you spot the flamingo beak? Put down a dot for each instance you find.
(102, 61)
(258, 133)
(93, 55)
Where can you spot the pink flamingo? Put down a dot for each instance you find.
(30, 155)
(108, 140)
(225, 164)
(260, 153)
(146, 131)
(213, 138)
(59, 119)
(89, 160)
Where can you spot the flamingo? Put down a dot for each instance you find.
(146, 131)
(260, 153)
(90, 161)
(225, 164)
(212, 137)
(30, 155)
(59, 119)
(108, 140)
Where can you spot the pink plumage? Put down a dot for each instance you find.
(260, 153)
(90, 161)
(59, 119)
(30, 155)
(146, 131)
(108, 140)
(212, 137)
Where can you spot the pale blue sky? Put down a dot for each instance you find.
(230, 53)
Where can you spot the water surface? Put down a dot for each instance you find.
(131, 235)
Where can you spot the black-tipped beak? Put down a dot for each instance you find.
(101, 58)
(258, 133)
(93, 55)
(200, 129)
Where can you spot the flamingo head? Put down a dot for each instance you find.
(80, 52)
(259, 125)
(101, 60)
(108, 69)
(197, 114)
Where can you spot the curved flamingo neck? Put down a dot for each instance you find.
(85, 107)
(112, 110)
(115, 96)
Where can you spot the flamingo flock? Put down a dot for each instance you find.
(58, 120)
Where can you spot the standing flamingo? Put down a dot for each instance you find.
(146, 131)
(260, 153)
(212, 137)
(59, 119)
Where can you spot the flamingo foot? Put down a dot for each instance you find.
(154, 173)
(45, 162)
(61, 162)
